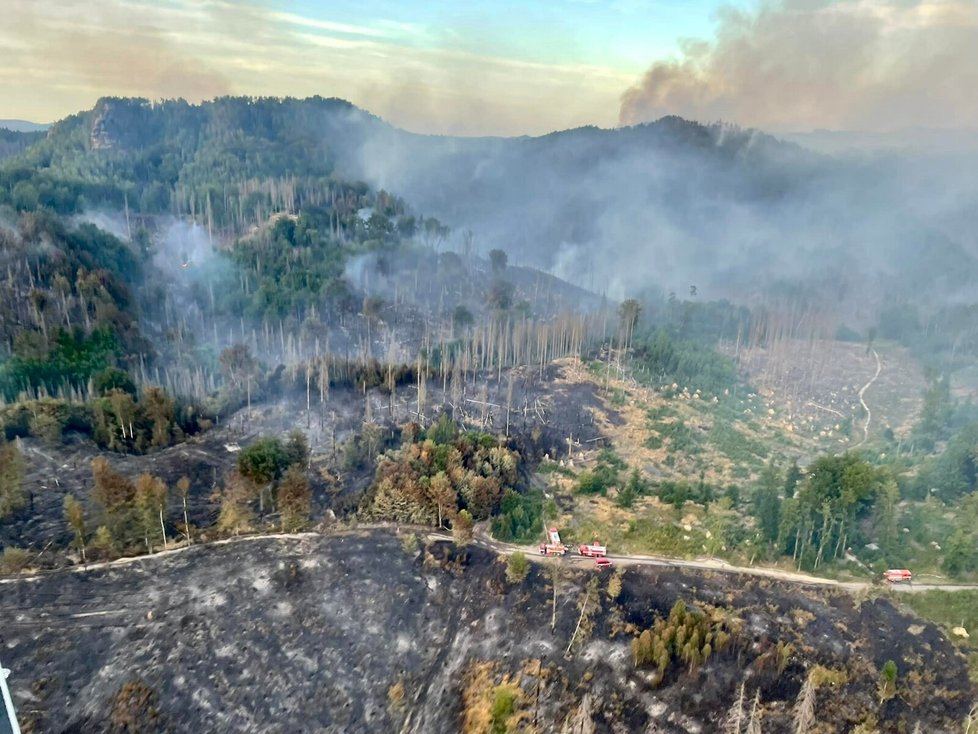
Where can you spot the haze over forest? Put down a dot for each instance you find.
(490, 367)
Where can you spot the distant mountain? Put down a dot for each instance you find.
(909, 140)
(23, 126)
(13, 142)
(670, 204)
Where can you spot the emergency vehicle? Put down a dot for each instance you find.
(553, 547)
(593, 550)
(897, 576)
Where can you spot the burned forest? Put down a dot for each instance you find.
(477, 434)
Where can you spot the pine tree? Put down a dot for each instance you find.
(517, 568)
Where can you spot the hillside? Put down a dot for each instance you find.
(264, 316)
(23, 126)
(14, 141)
(428, 638)
(666, 205)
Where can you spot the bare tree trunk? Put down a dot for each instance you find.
(186, 522)
(587, 598)
(163, 529)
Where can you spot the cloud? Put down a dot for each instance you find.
(842, 64)
(61, 55)
(112, 49)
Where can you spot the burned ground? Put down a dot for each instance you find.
(548, 415)
(360, 632)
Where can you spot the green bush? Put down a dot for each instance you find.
(735, 445)
(519, 517)
(517, 568)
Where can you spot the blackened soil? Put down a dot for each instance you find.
(352, 633)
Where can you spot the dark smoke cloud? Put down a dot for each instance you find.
(800, 64)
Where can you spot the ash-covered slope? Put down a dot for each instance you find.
(356, 633)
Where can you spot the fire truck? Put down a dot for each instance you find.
(897, 576)
(593, 550)
(553, 546)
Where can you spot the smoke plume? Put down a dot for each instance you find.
(799, 64)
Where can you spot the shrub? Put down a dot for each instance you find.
(14, 560)
(517, 568)
(503, 706)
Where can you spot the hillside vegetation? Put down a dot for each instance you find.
(236, 318)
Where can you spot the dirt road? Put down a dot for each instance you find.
(532, 553)
(862, 401)
(705, 564)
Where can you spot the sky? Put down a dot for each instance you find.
(499, 67)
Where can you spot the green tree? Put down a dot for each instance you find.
(961, 553)
(151, 496)
(791, 479)
(767, 503)
(886, 517)
(634, 488)
(837, 491)
(263, 462)
(297, 448)
(517, 568)
(887, 682)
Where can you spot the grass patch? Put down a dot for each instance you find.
(554, 468)
(735, 445)
(660, 412)
(654, 536)
(947, 608)
(681, 438)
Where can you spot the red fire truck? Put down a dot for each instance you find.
(594, 550)
(897, 576)
(553, 547)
